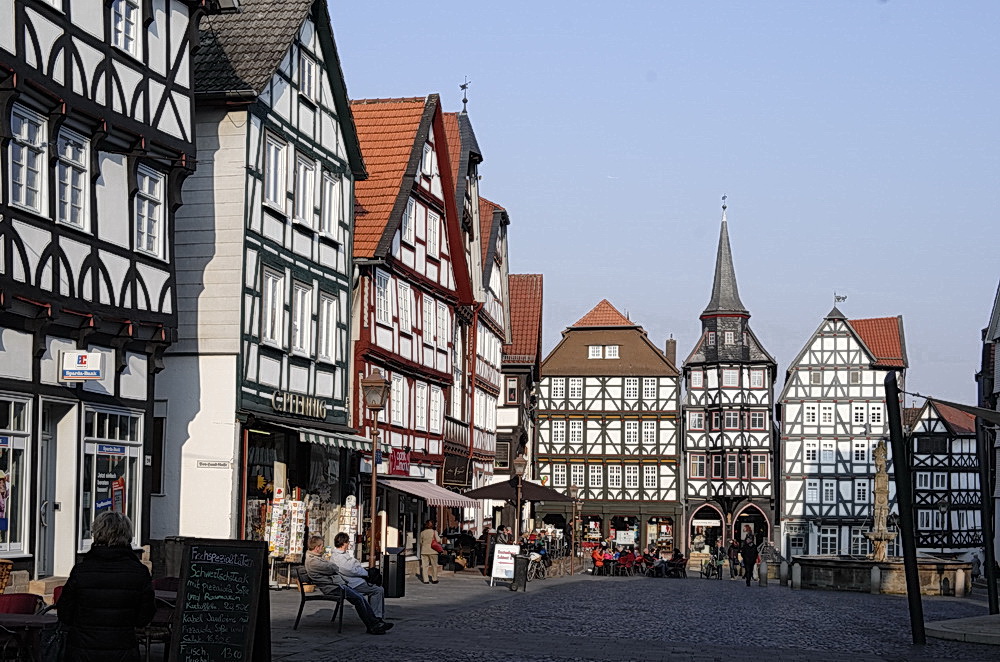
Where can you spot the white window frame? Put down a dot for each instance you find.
(758, 466)
(420, 406)
(829, 491)
(923, 481)
(272, 306)
(730, 378)
(860, 544)
(16, 427)
(731, 420)
(875, 413)
(696, 420)
(29, 156)
(73, 180)
(729, 337)
(696, 465)
(631, 432)
(810, 414)
(858, 417)
(596, 475)
(433, 230)
(861, 491)
(305, 179)
(442, 325)
(326, 341)
(405, 305)
(308, 70)
(577, 474)
(854, 377)
(150, 208)
(397, 400)
(430, 328)
(650, 476)
(810, 452)
(408, 222)
(559, 431)
(614, 476)
(558, 388)
(383, 298)
(576, 387)
(756, 379)
(333, 203)
(828, 453)
(631, 476)
(631, 388)
(576, 431)
(437, 399)
(711, 338)
(275, 182)
(812, 491)
(940, 479)
(649, 388)
(301, 318)
(611, 351)
(648, 433)
(815, 378)
(860, 452)
(827, 540)
(595, 352)
(697, 379)
(758, 420)
(826, 414)
(126, 19)
(559, 475)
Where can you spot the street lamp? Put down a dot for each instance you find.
(520, 465)
(943, 505)
(574, 491)
(374, 390)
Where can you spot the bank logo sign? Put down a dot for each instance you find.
(81, 366)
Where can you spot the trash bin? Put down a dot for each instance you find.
(520, 573)
(394, 572)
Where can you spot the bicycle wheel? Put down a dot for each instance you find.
(540, 571)
(532, 570)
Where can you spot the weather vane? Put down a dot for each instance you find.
(724, 202)
(839, 298)
(465, 92)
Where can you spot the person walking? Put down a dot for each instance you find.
(734, 558)
(428, 555)
(749, 553)
(108, 595)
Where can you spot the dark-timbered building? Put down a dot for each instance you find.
(608, 405)
(988, 382)
(96, 137)
(258, 387)
(946, 496)
(728, 426)
(833, 415)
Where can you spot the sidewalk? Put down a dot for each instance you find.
(977, 630)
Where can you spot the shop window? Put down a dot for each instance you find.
(14, 419)
(111, 448)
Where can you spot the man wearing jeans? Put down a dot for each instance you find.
(356, 574)
(327, 578)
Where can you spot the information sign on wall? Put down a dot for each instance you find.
(81, 366)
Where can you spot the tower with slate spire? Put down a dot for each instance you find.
(728, 440)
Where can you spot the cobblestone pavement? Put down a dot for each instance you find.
(624, 618)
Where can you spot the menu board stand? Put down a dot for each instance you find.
(223, 606)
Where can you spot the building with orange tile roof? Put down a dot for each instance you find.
(833, 414)
(947, 499)
(608, 423)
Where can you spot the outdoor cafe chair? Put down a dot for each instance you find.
(337, 597)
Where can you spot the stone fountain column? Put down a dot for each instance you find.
(880, 534)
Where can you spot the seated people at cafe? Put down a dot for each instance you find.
(598, 557)
(356, 574)
(327, 578)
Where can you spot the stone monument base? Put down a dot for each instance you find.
(854, 573)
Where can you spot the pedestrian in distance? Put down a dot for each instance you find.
(108, 595)
(430, 547)
(734, 558)
(326, 576)
(356, 574)
(749, 554)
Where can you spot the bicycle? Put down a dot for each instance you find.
(711, 568)
(536, 566)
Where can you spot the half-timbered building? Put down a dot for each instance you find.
(988, 382)
(728, 427)
(946, 496)
(833, 414)
(96, 137)
(257, 394)
(413, 282)
(522, 357)
(608, 405)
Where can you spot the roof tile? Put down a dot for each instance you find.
(525, 318)
(486, 209)
(884, 337)
(961, 422)
(604, 314)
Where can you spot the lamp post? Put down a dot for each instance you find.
(943, 505)
(573, 492)
(520, 465)
(374, 389)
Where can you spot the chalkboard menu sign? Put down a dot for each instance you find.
(222, 605)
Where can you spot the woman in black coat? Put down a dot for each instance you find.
(109, 593)
(749, 553)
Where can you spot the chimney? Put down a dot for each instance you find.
(671, 350)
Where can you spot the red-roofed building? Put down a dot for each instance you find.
(833, 413)
(413, 296)
(608, 410)
(946, 494)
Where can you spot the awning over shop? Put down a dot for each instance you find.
(433, 494)
(335, 439)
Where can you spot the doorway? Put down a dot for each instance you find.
(55, 541)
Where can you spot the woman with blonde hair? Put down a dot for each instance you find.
(109, 593)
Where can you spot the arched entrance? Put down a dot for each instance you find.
(705, 529)
(660, 532)
(751, 521)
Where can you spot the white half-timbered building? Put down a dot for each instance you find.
(96, 137)
(257, 394)
(833, 415)
(412, 285)
(946, 494)
(608, 423)
(728, 426)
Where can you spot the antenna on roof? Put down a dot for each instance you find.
(465, 92)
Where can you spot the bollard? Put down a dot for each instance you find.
(762, 573)
(876, 580)
(783, 573)
(796, 575)
(961, 586)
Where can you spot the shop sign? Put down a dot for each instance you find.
(213, 464)
(4, 442)
(81, 366)
(110, 449)
(456, 471)
(399, 462)
(503, 561)
(704, 522)
(302, 405)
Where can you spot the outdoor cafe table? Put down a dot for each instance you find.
(27, 628)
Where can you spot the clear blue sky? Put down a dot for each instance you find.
(857, 141)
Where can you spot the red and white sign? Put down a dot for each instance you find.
(399, 462)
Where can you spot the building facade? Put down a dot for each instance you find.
(946, 487)
(97, 137)
(988, 381)
(728, 427)
(608, 406)
(257, 388)
(833, 415)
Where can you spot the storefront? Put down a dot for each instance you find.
(660, 533)
(705, 528)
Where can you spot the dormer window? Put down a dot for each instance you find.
(711, 338)
(125, 25)
(594, 351)
(730, 338)
(409, 220)
(611, 351)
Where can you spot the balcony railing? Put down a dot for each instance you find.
(456, 432)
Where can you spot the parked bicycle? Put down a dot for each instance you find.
(537, 565)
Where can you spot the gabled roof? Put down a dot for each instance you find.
(388, 130)
(238, 54)
(525, 319)
(960, 422)
(725, 294)
(462, 149)
(883, 336)
(910, 416)
(488, 231)
(603, 315)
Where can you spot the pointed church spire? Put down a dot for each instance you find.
(725, 295)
